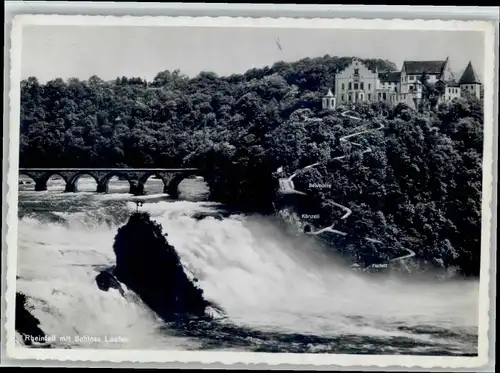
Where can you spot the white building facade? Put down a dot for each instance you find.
(329, 101)
(357, 83)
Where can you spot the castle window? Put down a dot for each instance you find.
(350, 86)
(356, 71)
(355, 86)
(369, 86)
(362, 85)
(342, 97)
(369, 96)
(343, 86)
(384, 96)
(349, 98)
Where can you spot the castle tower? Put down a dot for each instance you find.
(470, 85)
(328, 102)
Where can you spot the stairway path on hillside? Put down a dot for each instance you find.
(287, 186)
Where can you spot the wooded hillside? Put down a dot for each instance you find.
(421, 185)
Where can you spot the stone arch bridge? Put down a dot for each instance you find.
(136, 177)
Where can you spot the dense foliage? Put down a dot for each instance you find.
(420, 186)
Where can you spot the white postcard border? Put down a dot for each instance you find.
(207, 357)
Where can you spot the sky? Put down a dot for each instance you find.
(49, 52)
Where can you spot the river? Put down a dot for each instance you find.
(279, 293)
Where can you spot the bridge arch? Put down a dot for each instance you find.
(103, 184)
(173, 188)
(54, 177)
(26, 182)
(42, 180)
(164, 177)
(72, 183)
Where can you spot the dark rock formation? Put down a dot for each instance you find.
(106, 280)
(202, 215)
(151, 267)
(26, 324)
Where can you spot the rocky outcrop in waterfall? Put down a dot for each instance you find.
(147, 264)
(26, 324)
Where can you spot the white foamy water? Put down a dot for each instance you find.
(263, 279)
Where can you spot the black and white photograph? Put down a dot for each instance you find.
(279, 191)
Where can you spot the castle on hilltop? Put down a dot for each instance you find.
(357, 83)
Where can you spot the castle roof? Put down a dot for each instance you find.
(469, 76)
(390, 76)
(329, 94)
(447, 83)
(419, 67)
